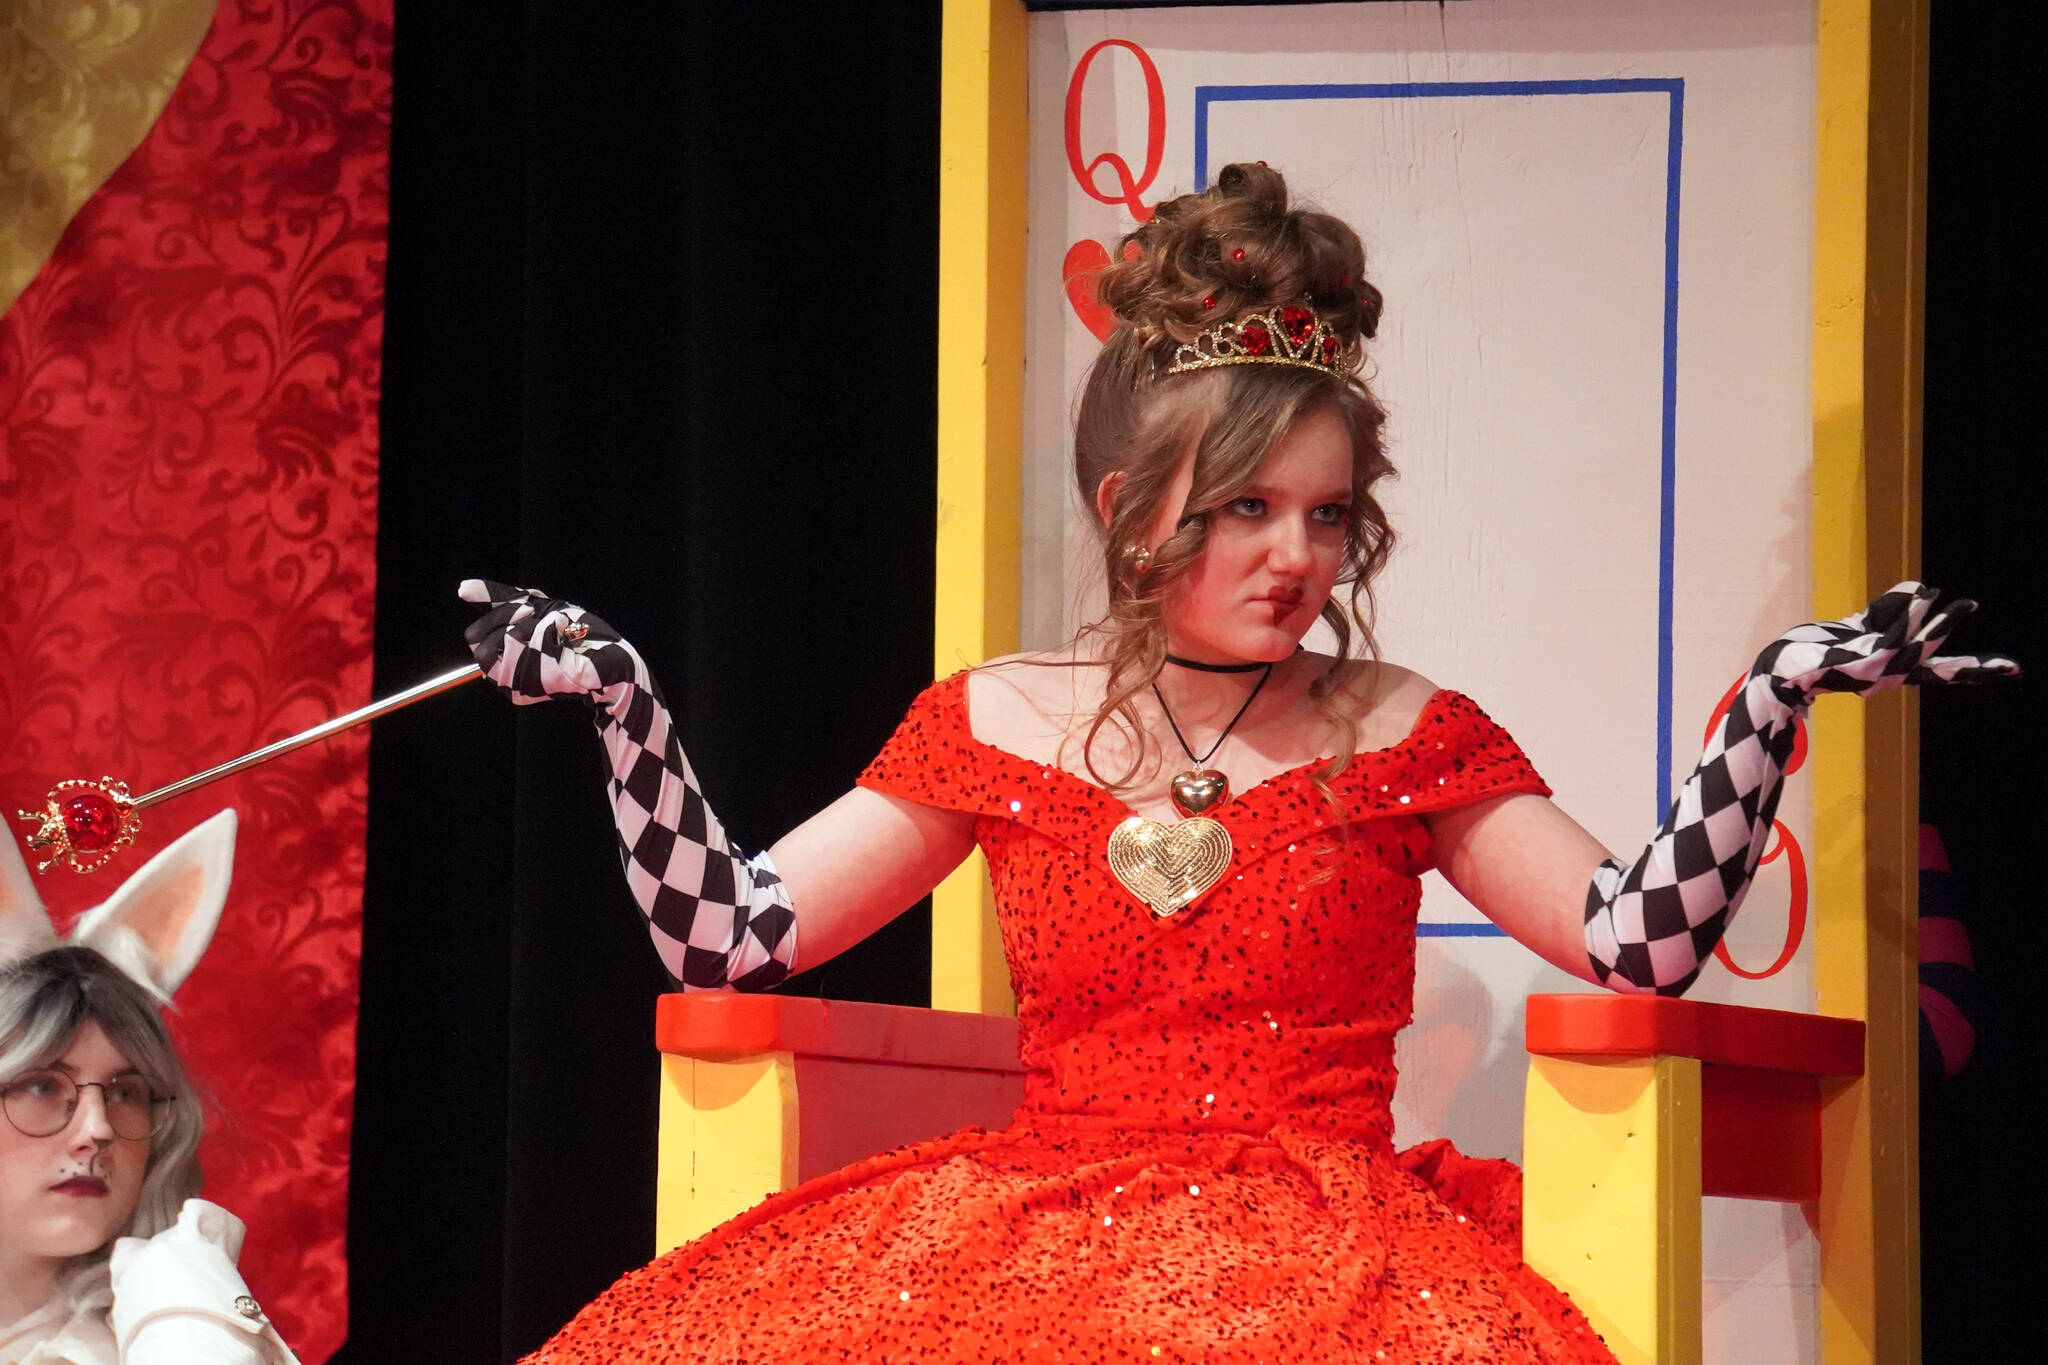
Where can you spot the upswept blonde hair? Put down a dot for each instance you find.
(1217, 256)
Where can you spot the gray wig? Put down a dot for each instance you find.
(44, 1000)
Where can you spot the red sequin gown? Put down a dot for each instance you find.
(1203, 1167)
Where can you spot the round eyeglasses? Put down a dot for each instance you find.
(41, 1103)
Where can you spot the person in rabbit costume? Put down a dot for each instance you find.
(106, 1256)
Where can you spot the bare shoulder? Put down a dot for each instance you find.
(1021, 701)
(1025, 663)
(1046, 677)
(1386, 698)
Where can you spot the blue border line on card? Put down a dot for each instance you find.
(1667, 502)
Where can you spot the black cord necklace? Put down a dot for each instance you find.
(1200, 667)
(1201, 787)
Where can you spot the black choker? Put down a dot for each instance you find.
(1214, 668)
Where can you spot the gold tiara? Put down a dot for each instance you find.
(1290, 335)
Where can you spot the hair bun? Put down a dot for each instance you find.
(1239, 248)
(1255, 181)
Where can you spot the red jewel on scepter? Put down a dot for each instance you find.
(83, 824)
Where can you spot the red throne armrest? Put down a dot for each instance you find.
(722, 1025)
(1760, 1076)
(764, 1091)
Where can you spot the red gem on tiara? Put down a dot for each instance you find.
(1329, 349)
(1237, 255)
(1256, 339)
(1297, 322)
(1209, 303)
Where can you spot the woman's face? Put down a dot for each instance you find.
(72, 1192)
(1270, 559)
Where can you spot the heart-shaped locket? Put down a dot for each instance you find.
(1195, 791)
(1169, 867)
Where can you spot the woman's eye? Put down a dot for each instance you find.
(1332, 514)
(42, 1086)
(1249, 507)
(134, 1092)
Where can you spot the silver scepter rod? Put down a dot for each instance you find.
(382, 707)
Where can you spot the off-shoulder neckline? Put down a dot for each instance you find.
(957, 684)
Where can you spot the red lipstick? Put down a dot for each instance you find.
(1284, 602)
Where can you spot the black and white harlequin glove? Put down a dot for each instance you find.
(719, 919)
(1650, 924)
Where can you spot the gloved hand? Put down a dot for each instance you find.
(178, 1299)
(1651, 923)
(536, 648)
(1895, 640)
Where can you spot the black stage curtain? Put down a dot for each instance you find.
(662, 302)
(660, 340)
(1983, 755)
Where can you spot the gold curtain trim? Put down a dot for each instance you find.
(81, 83)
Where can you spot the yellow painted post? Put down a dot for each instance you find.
(1869, 256)
(981, 420)
(728, 1140)
(1611, 1197)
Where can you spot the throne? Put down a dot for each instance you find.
(1637, 1106)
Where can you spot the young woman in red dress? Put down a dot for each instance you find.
(1205, 842)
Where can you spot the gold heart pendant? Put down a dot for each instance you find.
(1169, 867)
(1194, 792)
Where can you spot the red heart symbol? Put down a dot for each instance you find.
(1085, 260)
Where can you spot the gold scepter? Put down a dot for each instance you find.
(83, 823)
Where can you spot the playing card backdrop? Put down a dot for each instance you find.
(188, 480)
(1593, 225)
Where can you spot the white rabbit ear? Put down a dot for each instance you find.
(158, 924)
(24, 924)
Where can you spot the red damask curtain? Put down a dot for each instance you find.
(188, 514)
